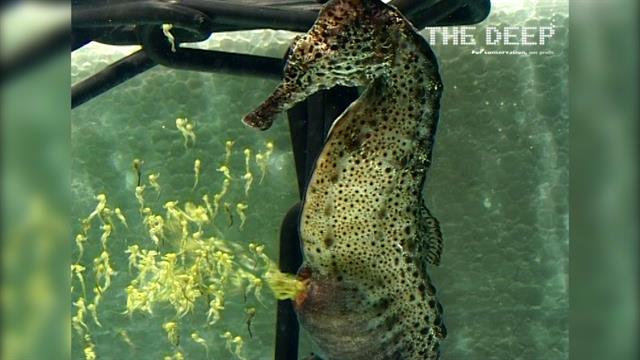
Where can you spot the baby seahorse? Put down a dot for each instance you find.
(366, 233)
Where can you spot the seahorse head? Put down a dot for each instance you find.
(349, 44)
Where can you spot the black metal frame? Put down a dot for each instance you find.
(138, 22)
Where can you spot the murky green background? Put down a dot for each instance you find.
(498, 185)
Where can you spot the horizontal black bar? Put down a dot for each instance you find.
(228, 16)
(452, 12)
(117, 35)
(156, 46)
(142, 13)
(207, 16)
(410, 8)
(184, 58)
(79, 40)
(223, 62)
(474, 13)
(110, 77)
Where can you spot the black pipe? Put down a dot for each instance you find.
(452, 12)
(290, 258)
(184, 18)
(202, 17)
(79, 40)
(443, 12)
(230, 16)
(298, 131)
(157, 48)
(227, 16)
(121, 35)
(410, 8)
(111, 76)
(472, 13)
(157, 51)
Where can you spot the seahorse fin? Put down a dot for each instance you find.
(431, 236)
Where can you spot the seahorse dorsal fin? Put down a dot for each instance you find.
(431, 236)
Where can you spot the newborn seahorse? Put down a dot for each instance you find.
(366, 233)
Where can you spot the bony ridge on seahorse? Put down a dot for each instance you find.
(366, 233)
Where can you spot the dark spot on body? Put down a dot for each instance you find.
(328, 241)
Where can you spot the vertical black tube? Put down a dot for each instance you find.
(298, 124)
(290, 258)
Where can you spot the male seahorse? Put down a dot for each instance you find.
(366, 233)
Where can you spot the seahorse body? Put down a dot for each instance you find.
(367, 235)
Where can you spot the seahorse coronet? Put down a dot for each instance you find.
(366, 232)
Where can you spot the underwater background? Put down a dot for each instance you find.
(498, 185)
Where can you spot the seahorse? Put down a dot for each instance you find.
(366, 233)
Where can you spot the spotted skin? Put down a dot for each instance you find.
(366, 233)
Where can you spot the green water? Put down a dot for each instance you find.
(498, 185)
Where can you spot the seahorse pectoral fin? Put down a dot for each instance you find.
(430, 236)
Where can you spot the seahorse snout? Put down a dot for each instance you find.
(259, 119)
(262, 117)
